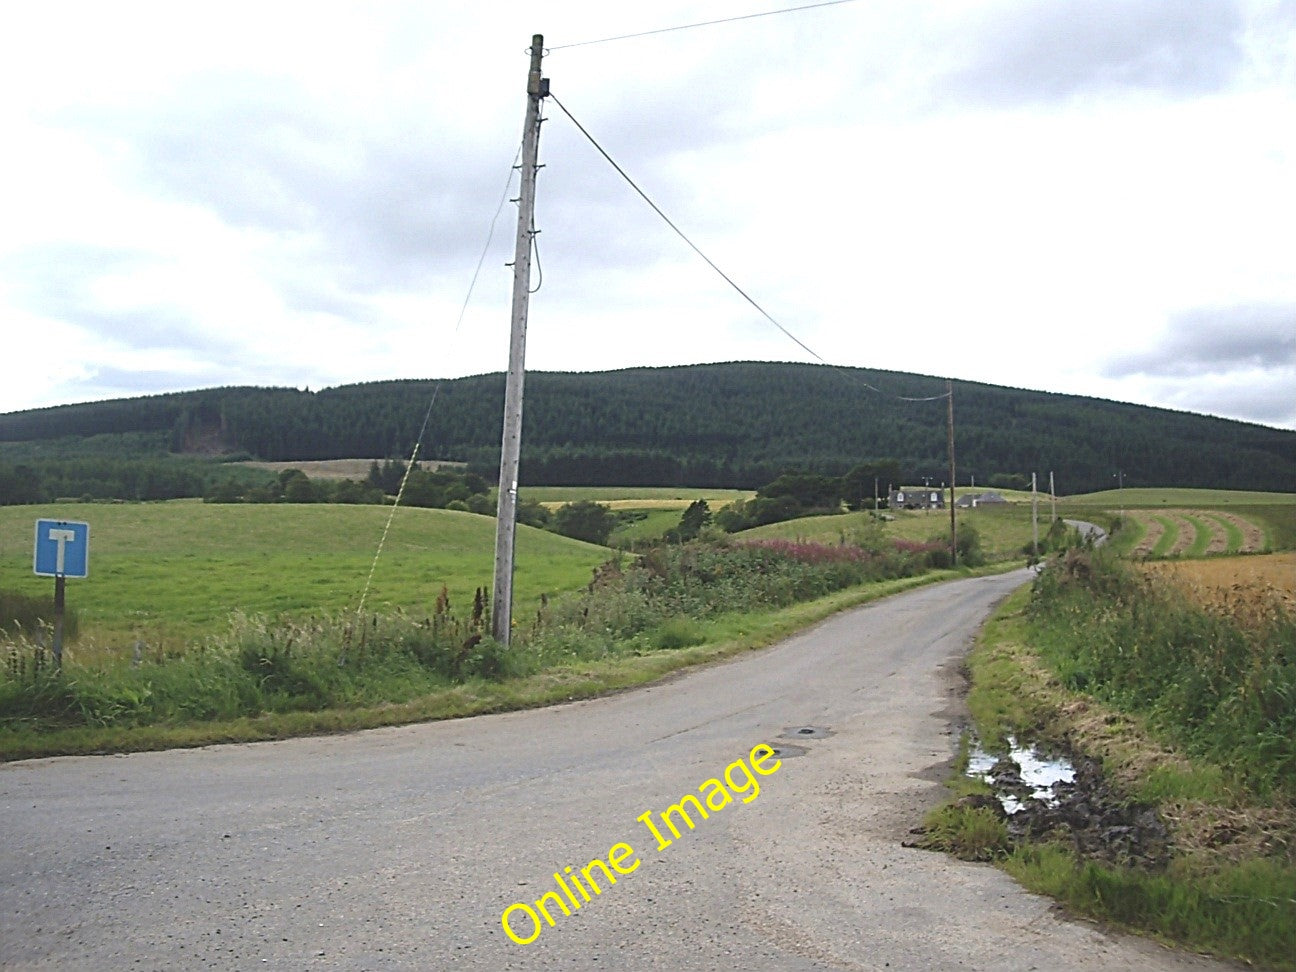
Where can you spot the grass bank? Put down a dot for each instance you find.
(169, 573)
(1190, 713)
(638, 620)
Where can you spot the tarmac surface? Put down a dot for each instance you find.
(401, 848)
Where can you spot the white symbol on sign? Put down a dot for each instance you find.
(62, 538)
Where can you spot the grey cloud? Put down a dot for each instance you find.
(1026, 53)
(126, 383)
(56, 281)
(376, 201)
(1215, 341)
(1268, 400)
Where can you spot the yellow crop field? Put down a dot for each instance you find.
(1228, 582)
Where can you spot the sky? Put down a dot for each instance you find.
(1094, 197)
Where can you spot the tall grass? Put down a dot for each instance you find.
(659, 601)
(1220, 683)
(255, 666)
(32, 614)
(1245, 909)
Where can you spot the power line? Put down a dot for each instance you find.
(705, 23)
(680, 233)
(711, 263)
(436, 389)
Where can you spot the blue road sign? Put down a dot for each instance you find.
(62, 549)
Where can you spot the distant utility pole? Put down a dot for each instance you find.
(949, 394)
(1034, 518)
(1052, 496)
(511, 448)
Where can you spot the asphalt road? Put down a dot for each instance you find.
(401, 848)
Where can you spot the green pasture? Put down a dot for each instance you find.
(1005, 529)
(1279, 523)
(621, 495)
(653, 524)
(174, 571)
(1140, 498)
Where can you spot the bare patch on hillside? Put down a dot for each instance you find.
(339, 468)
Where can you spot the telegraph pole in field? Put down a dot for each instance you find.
(511, 447)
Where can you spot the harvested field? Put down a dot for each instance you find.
(339, 468)
(1226, 582)
(1195, 533)
(1253, 537)
(1219, 536)
(1187, 534)
(1151, 538)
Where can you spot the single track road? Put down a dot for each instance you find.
(402, 848)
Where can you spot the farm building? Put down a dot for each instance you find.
(973, 500)
(916, 498)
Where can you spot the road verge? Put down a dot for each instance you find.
(723, 637)
(1227, 884)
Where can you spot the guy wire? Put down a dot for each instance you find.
(436, 388)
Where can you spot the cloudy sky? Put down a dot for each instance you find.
(1087, 196)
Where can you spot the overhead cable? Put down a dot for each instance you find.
(711, 263)
(705, 23)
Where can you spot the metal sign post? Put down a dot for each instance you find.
(62, 551)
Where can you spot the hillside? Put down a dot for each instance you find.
(732, 425)
(170, 571)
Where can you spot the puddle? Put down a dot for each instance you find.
(1042, 794)
(1022, 775)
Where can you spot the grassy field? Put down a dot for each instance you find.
(1215, 521)
(338, 468)
(172, 571)
(651, 526)
(1005, 530)
(633, 497)
(1115, 499)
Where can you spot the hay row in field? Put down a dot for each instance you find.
(1179, 533)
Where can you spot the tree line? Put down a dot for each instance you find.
(733, 425)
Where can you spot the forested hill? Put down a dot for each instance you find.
(738, 424)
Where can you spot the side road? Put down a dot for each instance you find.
(401, 848)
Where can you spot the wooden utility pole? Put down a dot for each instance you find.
(511, 447)
(1034, 518)
(949, 395)
(1052, 498)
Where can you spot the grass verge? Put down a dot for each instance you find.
(1230, 885)
(706, 641)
